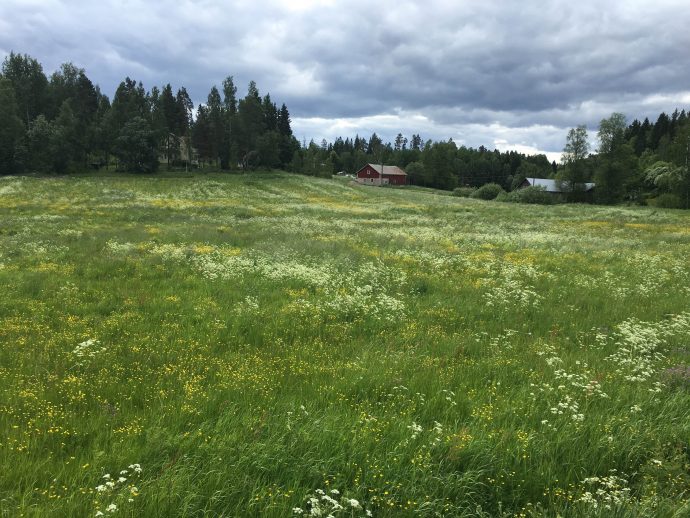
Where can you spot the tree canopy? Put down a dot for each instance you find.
(64, 123)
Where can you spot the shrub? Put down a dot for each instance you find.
(533, 194)
(464, 192)
(668, 201)
(488, 191)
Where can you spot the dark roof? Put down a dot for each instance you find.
(550, 185)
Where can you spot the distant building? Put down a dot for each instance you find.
(370, 174)
(181, 151)
(552, 186)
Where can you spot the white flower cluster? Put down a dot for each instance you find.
(281, 268)
(449, 396)
(370, 290)
(43, 249)
(416, 430)
(11, 185)
(583, 382)
(117, 488)
(655, 272)
(365, 301)
(169, 251)
(361, 293)
(331, 504)
(606, 492)
(512, 294)
(117, 248)
(438, 431)
(248, 306)
(508, 288)
(87, 350)
(568, 405)
(639, 345)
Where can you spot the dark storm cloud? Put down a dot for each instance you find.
(500, 59)
(514, 74)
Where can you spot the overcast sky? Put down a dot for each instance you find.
(509, 74)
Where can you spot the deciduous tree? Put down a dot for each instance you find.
(29, 83)
(574, 173)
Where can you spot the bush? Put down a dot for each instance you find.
(668, 201)
(464, 192)
(533, 194)
(488, 191)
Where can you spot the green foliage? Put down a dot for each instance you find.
(297, 163)
(667, 200)
(576, 145)
(226, 132)
(664, 176)
(439, 165)
(464, 192)
(251, 121)
(129, 103)
(217, 129)
(268, 147)
(51, 145)
(137, 147)
(611, 133)
(416, 173)
(616, 175)
(29, 83)
(11, 130)
(488, 191)
(575, 171)
(532, 194)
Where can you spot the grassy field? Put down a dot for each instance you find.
(273, 345)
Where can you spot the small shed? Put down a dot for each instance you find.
(370, 174)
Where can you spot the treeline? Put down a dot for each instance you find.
(631, 163)
(64, 123)
(442, 165)
(635, 162)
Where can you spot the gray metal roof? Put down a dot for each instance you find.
(551, 185)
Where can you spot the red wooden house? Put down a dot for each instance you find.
(370, 174)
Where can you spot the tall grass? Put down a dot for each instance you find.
(276, 346)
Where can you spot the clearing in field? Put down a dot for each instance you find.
(276, 345)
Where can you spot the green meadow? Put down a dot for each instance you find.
(276, 345)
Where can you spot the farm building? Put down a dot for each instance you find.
(370, 174)
(181, 151)
(552, 186)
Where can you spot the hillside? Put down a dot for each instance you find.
(272, 345)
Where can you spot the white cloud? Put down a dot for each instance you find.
(304, 5)
(546, 140)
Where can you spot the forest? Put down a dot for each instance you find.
(64, 123)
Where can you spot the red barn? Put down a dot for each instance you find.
(370, 174)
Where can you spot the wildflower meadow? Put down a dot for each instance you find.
(274, 345)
